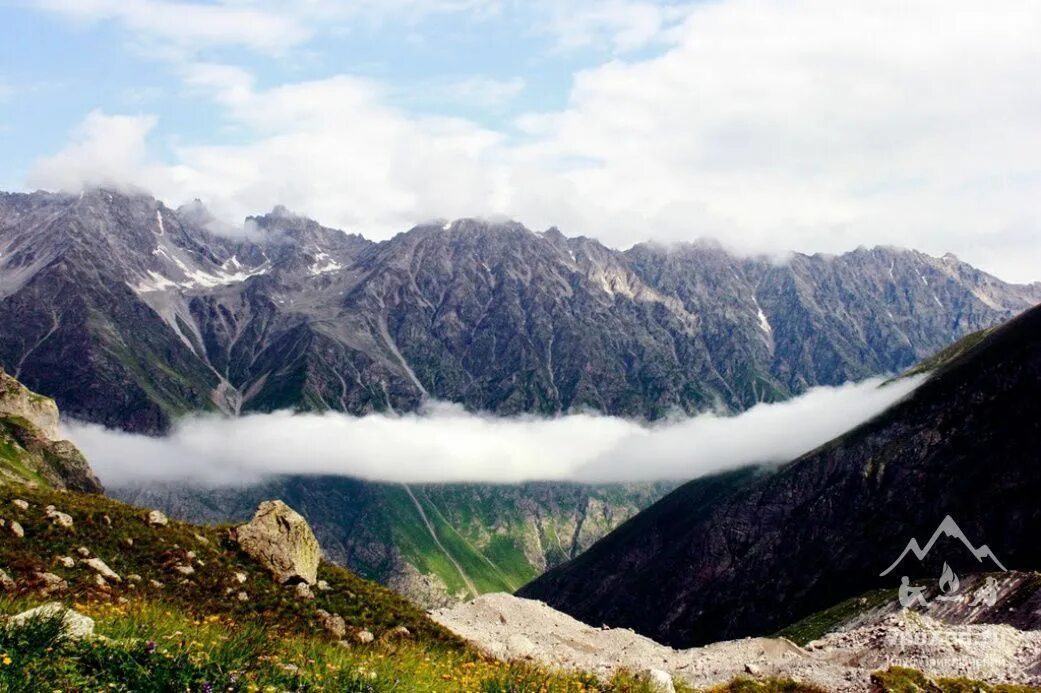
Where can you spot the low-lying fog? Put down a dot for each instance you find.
(444, 443)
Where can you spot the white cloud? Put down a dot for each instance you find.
(446, 444)
(104, 150)
(619, 25)
(484, 92)
(811, 125)
(190, 24)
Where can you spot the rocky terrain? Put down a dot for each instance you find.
(510, 627)
(130, 314)
(30, 448)
(746, 553)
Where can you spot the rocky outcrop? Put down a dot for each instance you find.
(29, 449)
(280, 539)
(17, 401)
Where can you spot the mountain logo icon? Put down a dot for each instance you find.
(947, 528)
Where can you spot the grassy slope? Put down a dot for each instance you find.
(192, 632)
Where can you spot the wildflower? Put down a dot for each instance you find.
(6, 659)
(150, 647)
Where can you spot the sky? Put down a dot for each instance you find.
(445, 443)
(770, 125)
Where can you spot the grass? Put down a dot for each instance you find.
(821, 623)
(904, 680)
(154, 647)
(745, 684)
(193, 634)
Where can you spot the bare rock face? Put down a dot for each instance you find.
(280, 539)
(16, 400)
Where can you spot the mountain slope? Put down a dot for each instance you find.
(483, 537)
(778, 545)
(131, 314)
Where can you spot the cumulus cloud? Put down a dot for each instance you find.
(809, 125)
(444, 443)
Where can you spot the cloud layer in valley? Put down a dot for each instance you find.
(443, 443)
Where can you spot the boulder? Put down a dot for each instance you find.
(280, 539)
(519, 646)
(74, 624)
(59, 518)
(20, 504)
(101, 568)
(156, 519)
(333, 623)
(49, 583)
(658, 681)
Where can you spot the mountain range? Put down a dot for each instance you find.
(131, 314)
(748, 552)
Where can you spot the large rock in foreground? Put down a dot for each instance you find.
(280, 539)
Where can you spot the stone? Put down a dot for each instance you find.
(364, 637)
(59, 518)
(333, 623)
(323, 586)
(101, 568)
(399, 632)
(240, 578)
(156, 518)
(133, 577)
(753, 670)
(242, 597)
(100, 581)
(129, 541)
(49, 583)
(190, 555)
(201, 539)
(83, 551)
(184, 569)
(658, 681)
(74, 624)
(303, 591)
(16, 529)
(107, 520)
(66, 561)
(519, 646)
(155, 583)
(280, 539)
(6, 583)
(20, 504)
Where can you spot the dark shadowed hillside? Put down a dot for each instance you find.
(701, 565)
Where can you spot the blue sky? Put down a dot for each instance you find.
(771, 125)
